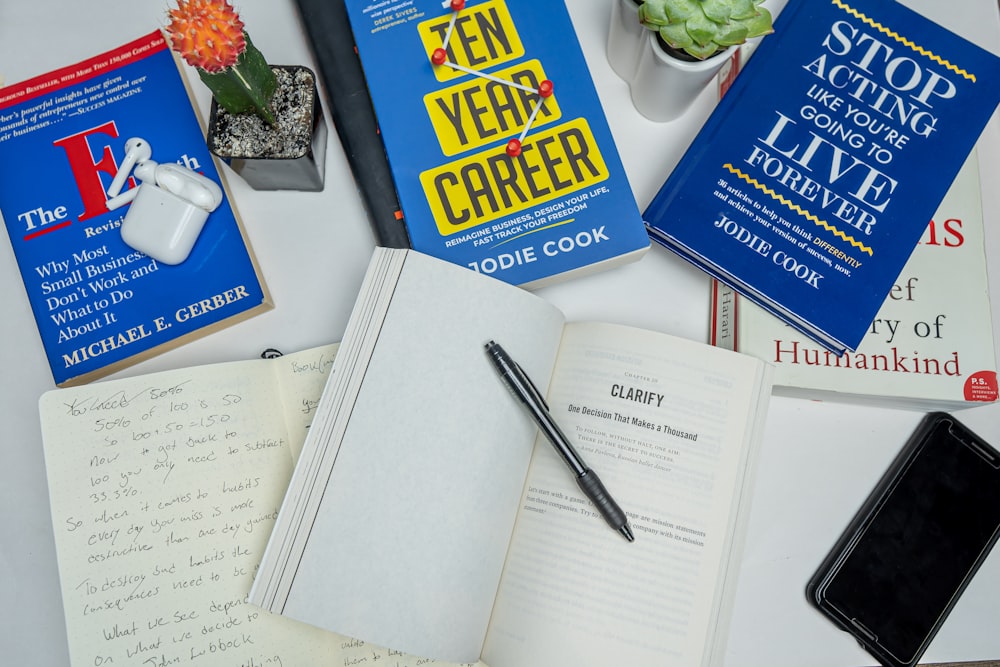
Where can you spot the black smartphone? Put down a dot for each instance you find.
(904, 560)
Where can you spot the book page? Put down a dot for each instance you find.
(664, 422)
(163, 492)
(301, 379)
(420, 468)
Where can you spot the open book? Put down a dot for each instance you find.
(163, 490)
(423, 514)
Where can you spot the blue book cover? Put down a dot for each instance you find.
(814, 178)
(498, 145)
(100, 305)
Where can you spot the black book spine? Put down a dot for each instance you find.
(332, 41)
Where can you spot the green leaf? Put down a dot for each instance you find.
(762, 24)
(735, 33)
(676, 36)
(718, 11)
(702, 30)
(651, 14)
(743, 9)
(682, 10)
(702, 52)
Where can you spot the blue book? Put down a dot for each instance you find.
(814, 178)
(99, 304)
(495, 170)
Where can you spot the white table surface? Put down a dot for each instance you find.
(819, 460)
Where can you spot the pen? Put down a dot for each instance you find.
(524, 390)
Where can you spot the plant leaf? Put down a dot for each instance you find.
(702, 30)
(676, 36)
(743, 9)
(702, 52)
(718, 11)
(761, 24)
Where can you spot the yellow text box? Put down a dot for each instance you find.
(474, 113)
(491, 184)
(483, 36)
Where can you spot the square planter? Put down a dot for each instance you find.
(289, 156)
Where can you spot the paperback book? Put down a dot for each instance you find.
(502, 157)
(100, 305)
(814, 178)
(427, 514)
(929, 347)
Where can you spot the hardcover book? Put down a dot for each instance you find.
(500, 151)
(929, 347)
(99, 304)
(424, 514)
(814, 178)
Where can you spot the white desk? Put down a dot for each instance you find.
(819, 460)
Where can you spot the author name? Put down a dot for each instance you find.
(763, 248)
(126, 337)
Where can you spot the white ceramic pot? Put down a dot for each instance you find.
(626, 37)
(664, 86)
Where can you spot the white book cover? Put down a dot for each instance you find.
(931, 344)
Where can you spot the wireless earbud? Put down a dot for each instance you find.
(137, 151)
(188, 185)
(169, 206)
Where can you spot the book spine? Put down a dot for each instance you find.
(724, 314)
(332, 41)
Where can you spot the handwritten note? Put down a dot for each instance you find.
(163, 491)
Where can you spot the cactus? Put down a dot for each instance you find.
(209, 36)
(702, 28)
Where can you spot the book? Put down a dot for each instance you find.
(163, 489)
(425, 516)
(813, 179)
(499, 148)
(100, 305)
(332, 42)
(929, 347)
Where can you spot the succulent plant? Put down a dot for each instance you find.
(210, 36)
(702, 28)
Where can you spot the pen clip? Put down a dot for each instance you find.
(537, 395)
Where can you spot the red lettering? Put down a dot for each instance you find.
(86, 171)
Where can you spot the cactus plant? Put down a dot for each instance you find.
(702, 28)
(210, 36)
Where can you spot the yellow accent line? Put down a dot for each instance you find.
(534, 231)
(903, 40)
(798, 209)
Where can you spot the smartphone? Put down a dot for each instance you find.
(905, 558)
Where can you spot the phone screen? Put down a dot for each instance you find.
(913, 549)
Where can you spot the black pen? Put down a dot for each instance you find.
(524, 390)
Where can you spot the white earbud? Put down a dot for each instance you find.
(137, 151)
(189, 185)
(145, 171)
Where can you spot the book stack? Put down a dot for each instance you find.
(929, 347)
(808, 188)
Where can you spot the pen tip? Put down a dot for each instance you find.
(627, 532)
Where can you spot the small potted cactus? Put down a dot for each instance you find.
(266, 122)
(688, 42)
